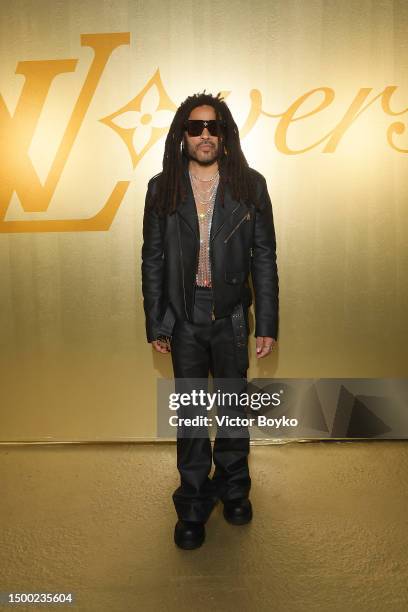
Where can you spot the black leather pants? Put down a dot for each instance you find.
(197, 349)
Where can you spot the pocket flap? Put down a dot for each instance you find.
(168, 321)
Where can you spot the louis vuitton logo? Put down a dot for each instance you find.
(140, 124)
(16, 170)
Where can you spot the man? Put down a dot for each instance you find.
(208, 224)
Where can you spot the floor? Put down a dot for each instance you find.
(330, 529)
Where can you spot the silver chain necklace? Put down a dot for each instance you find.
(205, 180)
(198, 195)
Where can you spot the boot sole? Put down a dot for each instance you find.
(189, 545)
(242, 520)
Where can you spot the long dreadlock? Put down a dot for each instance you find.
(232, 165)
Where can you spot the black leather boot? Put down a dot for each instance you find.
(189, 534)
(238, 511)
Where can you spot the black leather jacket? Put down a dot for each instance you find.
(242, 243)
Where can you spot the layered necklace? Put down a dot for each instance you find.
(204, 199)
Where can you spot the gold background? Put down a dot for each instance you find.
(75, 364)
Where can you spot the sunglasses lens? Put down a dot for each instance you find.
(212, 128)
(195, 127)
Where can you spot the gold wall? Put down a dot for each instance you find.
(88, 90)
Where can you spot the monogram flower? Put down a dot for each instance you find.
(143, 120)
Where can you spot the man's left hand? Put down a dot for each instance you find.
(264, 345)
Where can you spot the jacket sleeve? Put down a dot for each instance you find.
(152, 268)
(264, 269)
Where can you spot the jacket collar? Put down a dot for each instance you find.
(188, 210)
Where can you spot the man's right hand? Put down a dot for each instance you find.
(161, 347)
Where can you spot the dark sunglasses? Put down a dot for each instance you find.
(195, 127)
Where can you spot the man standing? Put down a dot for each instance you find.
(208, 225)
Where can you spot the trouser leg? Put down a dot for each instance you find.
(231, 446)
(190, 350)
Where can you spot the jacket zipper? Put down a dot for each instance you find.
(195, 273)
(247, 217)
(212, 286)
(182, 266)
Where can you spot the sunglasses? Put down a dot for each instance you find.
(195, 127)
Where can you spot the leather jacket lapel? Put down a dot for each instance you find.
(221, 213)
(188, 210)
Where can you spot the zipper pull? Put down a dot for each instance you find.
(212, 313)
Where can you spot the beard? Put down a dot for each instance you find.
(203, 159)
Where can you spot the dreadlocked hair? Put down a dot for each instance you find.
(232, 164)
